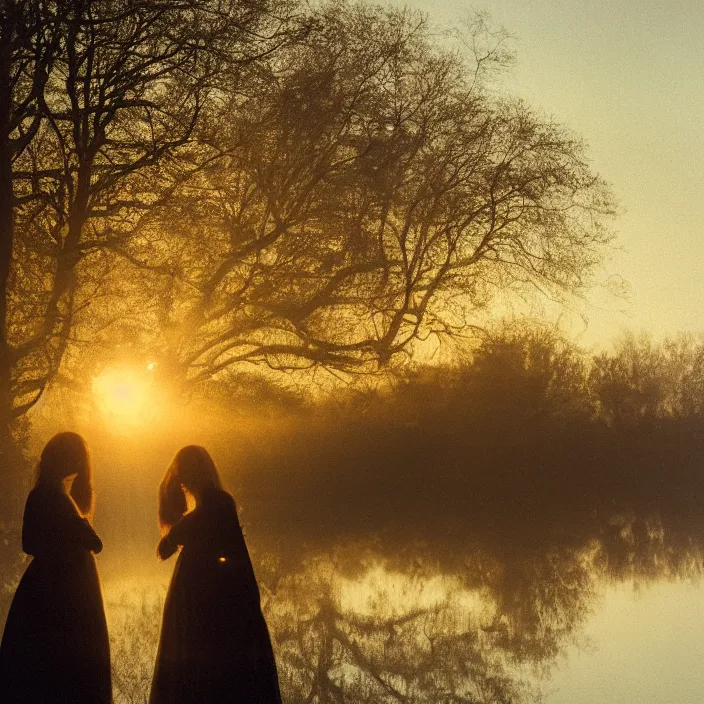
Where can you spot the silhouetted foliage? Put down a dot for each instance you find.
(373, 193)
(99, 97)
(645, 381)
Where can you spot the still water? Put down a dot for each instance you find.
(394, 637)
(564, 574)
(644, 645)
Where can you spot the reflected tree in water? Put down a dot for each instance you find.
(391, 652)
(488, 634)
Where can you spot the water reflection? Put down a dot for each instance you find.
(358, 623)
(441, 549)
(389, 643)
(390, 647)
(392, 584)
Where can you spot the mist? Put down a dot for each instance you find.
(491, 502)
(329, 242)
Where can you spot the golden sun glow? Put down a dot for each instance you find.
(125, 395)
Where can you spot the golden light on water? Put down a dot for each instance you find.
(125, 396)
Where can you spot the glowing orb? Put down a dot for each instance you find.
(124, 395)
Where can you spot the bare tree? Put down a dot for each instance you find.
(29, 39)
(374, 194)
(98, 97)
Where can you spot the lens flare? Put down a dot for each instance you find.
(124, 396)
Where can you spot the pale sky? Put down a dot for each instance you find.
(629, 78)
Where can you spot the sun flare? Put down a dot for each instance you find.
(125, 395)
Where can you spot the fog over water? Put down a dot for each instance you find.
(506, 530)
(351, 250)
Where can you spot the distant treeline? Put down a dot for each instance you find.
(527, 444)
(528, 474)
(525, 474)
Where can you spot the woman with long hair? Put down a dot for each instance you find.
(214, 645)
(55, 646)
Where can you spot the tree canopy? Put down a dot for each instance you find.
(212, 184)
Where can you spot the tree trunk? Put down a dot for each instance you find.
(13, 480)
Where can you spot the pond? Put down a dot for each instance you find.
(616, 619)
(465, 564)
(643, 645)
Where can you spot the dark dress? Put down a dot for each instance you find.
(214, 645)
(55, 646)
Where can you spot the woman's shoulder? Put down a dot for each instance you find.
(48, 497)
(222, 497)
(46, 494)
(221, 501)
(46, 505)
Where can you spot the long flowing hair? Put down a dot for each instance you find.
(65, 454)
(192, 469)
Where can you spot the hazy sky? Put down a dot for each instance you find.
(628, 77)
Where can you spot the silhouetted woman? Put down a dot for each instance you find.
(214, 644)
(55, 645)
